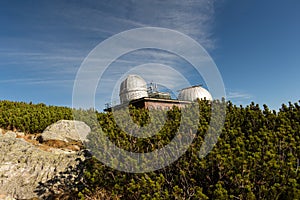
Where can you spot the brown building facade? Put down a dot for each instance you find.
(154, 103)
(158, 104)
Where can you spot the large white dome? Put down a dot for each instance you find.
(133, 87)
(193, 93)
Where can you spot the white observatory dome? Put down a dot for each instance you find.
(133, 87)
(193, 93)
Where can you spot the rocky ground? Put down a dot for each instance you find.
(33, 167)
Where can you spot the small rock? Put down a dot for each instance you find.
(4, 197)
(59, 151)
(10, 134)
(74, 147)
(21, 134)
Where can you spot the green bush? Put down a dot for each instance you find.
(256, 157)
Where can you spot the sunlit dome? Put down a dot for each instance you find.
(193, 93)
(133, 87)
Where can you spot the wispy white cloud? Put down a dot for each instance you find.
(36, 81)
(193, 17)
(96, 20)
(239, 97)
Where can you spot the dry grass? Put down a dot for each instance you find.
(101, 194)
(49, 144)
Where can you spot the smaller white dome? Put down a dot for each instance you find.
(193, 93)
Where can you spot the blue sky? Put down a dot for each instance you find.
(255, 44)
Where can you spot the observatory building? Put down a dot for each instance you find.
(134, 91)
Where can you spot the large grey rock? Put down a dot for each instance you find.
(66, 130)
(26, 170)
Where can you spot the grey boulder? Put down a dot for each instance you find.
(66, 130)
